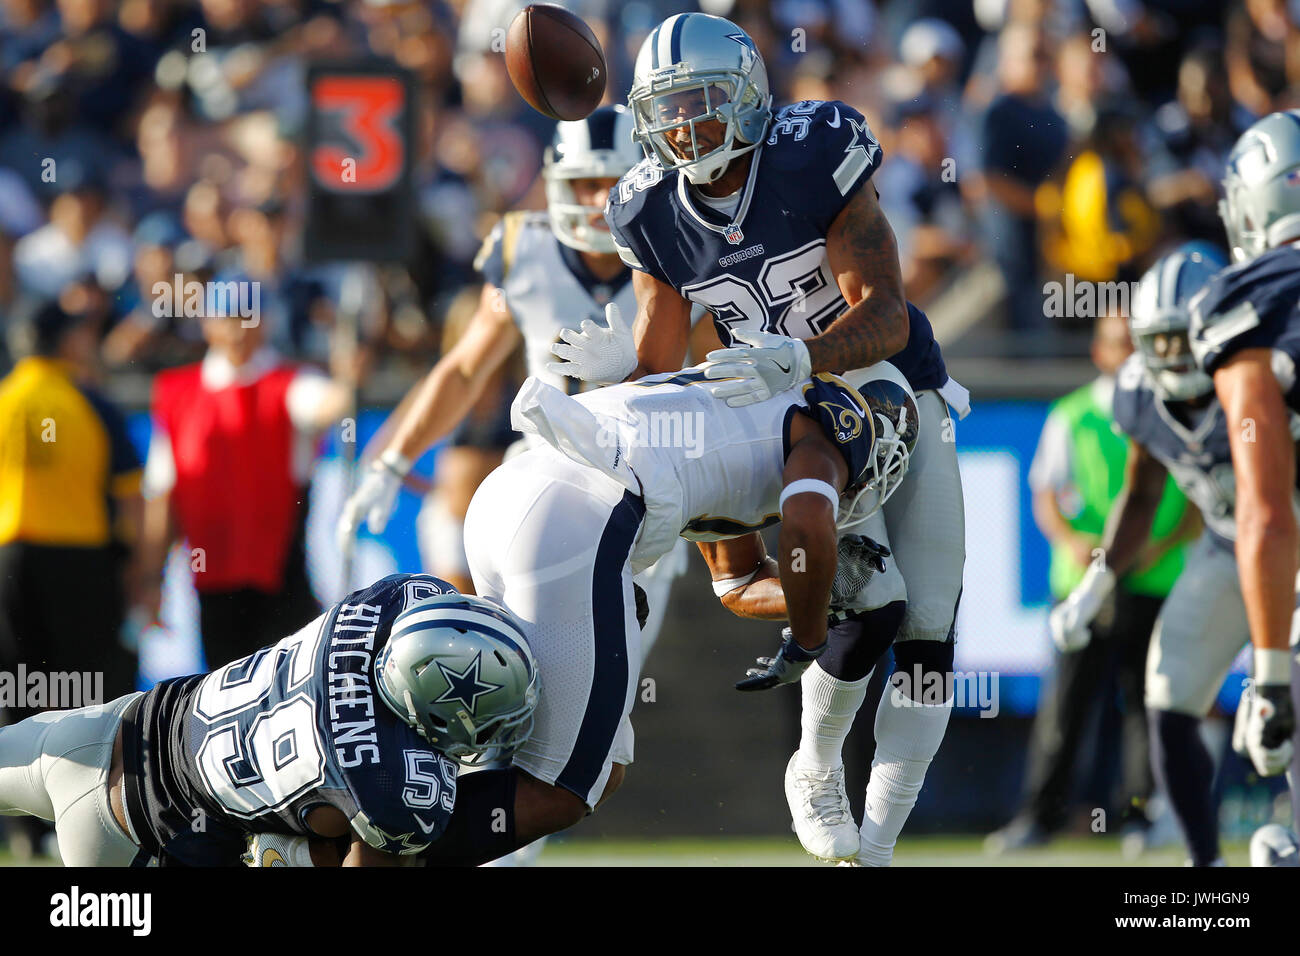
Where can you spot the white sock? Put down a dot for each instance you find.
(908, 736)
(829, 706)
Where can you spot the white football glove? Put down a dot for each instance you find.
(768, 367)
(374, 498)
(596, 354)
(1071, 620)
(1265, 720)
(277, 849)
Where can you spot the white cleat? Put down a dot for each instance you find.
(820, 808)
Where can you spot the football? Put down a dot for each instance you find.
(555, 62)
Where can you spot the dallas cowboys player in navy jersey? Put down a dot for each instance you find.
(351, 728)
(768, 220)
(1245, 332)
(1166, 406)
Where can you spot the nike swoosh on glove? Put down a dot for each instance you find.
(770, 365)
(596, 354)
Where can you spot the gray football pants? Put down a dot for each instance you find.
(55, 766)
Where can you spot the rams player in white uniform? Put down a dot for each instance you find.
(769, 220)
(543, 273)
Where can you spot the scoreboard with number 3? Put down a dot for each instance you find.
(359, 154)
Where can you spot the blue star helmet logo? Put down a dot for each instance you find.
(747, 51)
(465, 685)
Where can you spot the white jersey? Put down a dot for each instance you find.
(706, 471)
(543, 290)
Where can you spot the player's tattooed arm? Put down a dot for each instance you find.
(863, 256)
(745, 562)
(1263, 457)
(663, 326)
(1134, 510)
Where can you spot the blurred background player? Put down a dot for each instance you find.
(234, 441)
(1166, 407)
(69, 511)
(1245, 332)
(1076, 475)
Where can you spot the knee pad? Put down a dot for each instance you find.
(855, 645)
(924, 664)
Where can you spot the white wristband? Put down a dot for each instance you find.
(810, 486)
(395, 462)
(1272, 666)
(727, 585)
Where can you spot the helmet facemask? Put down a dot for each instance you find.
(570, 219)
(671, 100)
(1167, 356)
(896, 429)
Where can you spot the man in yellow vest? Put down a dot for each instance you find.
(69, 482)
(1077, 472)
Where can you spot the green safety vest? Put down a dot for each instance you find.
(1097, 459)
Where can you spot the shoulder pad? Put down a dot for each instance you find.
(497, 254)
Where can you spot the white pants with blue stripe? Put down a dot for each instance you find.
(550, 539)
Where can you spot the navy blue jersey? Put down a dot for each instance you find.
(258, 744)
(1250, 305)
(1192, 444)
(766, 269)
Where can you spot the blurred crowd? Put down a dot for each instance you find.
(140, 139)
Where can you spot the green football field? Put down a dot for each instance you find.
(778, 851)
(913, 851)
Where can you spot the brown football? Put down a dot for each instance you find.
(555, 62)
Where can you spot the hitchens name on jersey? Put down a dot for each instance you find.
(58, 690)
(355, 741)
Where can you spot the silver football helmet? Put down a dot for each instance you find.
(694, 68)
(1261, 186)
(457, 668)
(891, 403)
(1159, 319)
(600, 146)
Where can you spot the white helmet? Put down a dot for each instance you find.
(598, 147)
(889, 398)
(458, 670)
(1158, 319)
(1261, 186)
(714, 67)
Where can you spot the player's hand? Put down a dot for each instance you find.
(1269, 725)
(1071, 620)
(768, 367)
(374, 498)
(786, 668)
(858, 559)
(596, 354)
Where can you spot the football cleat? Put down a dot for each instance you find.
(820, 808)
(1274, 845)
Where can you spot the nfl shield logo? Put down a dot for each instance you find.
(734, 235)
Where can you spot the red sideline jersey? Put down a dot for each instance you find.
(236, 496)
